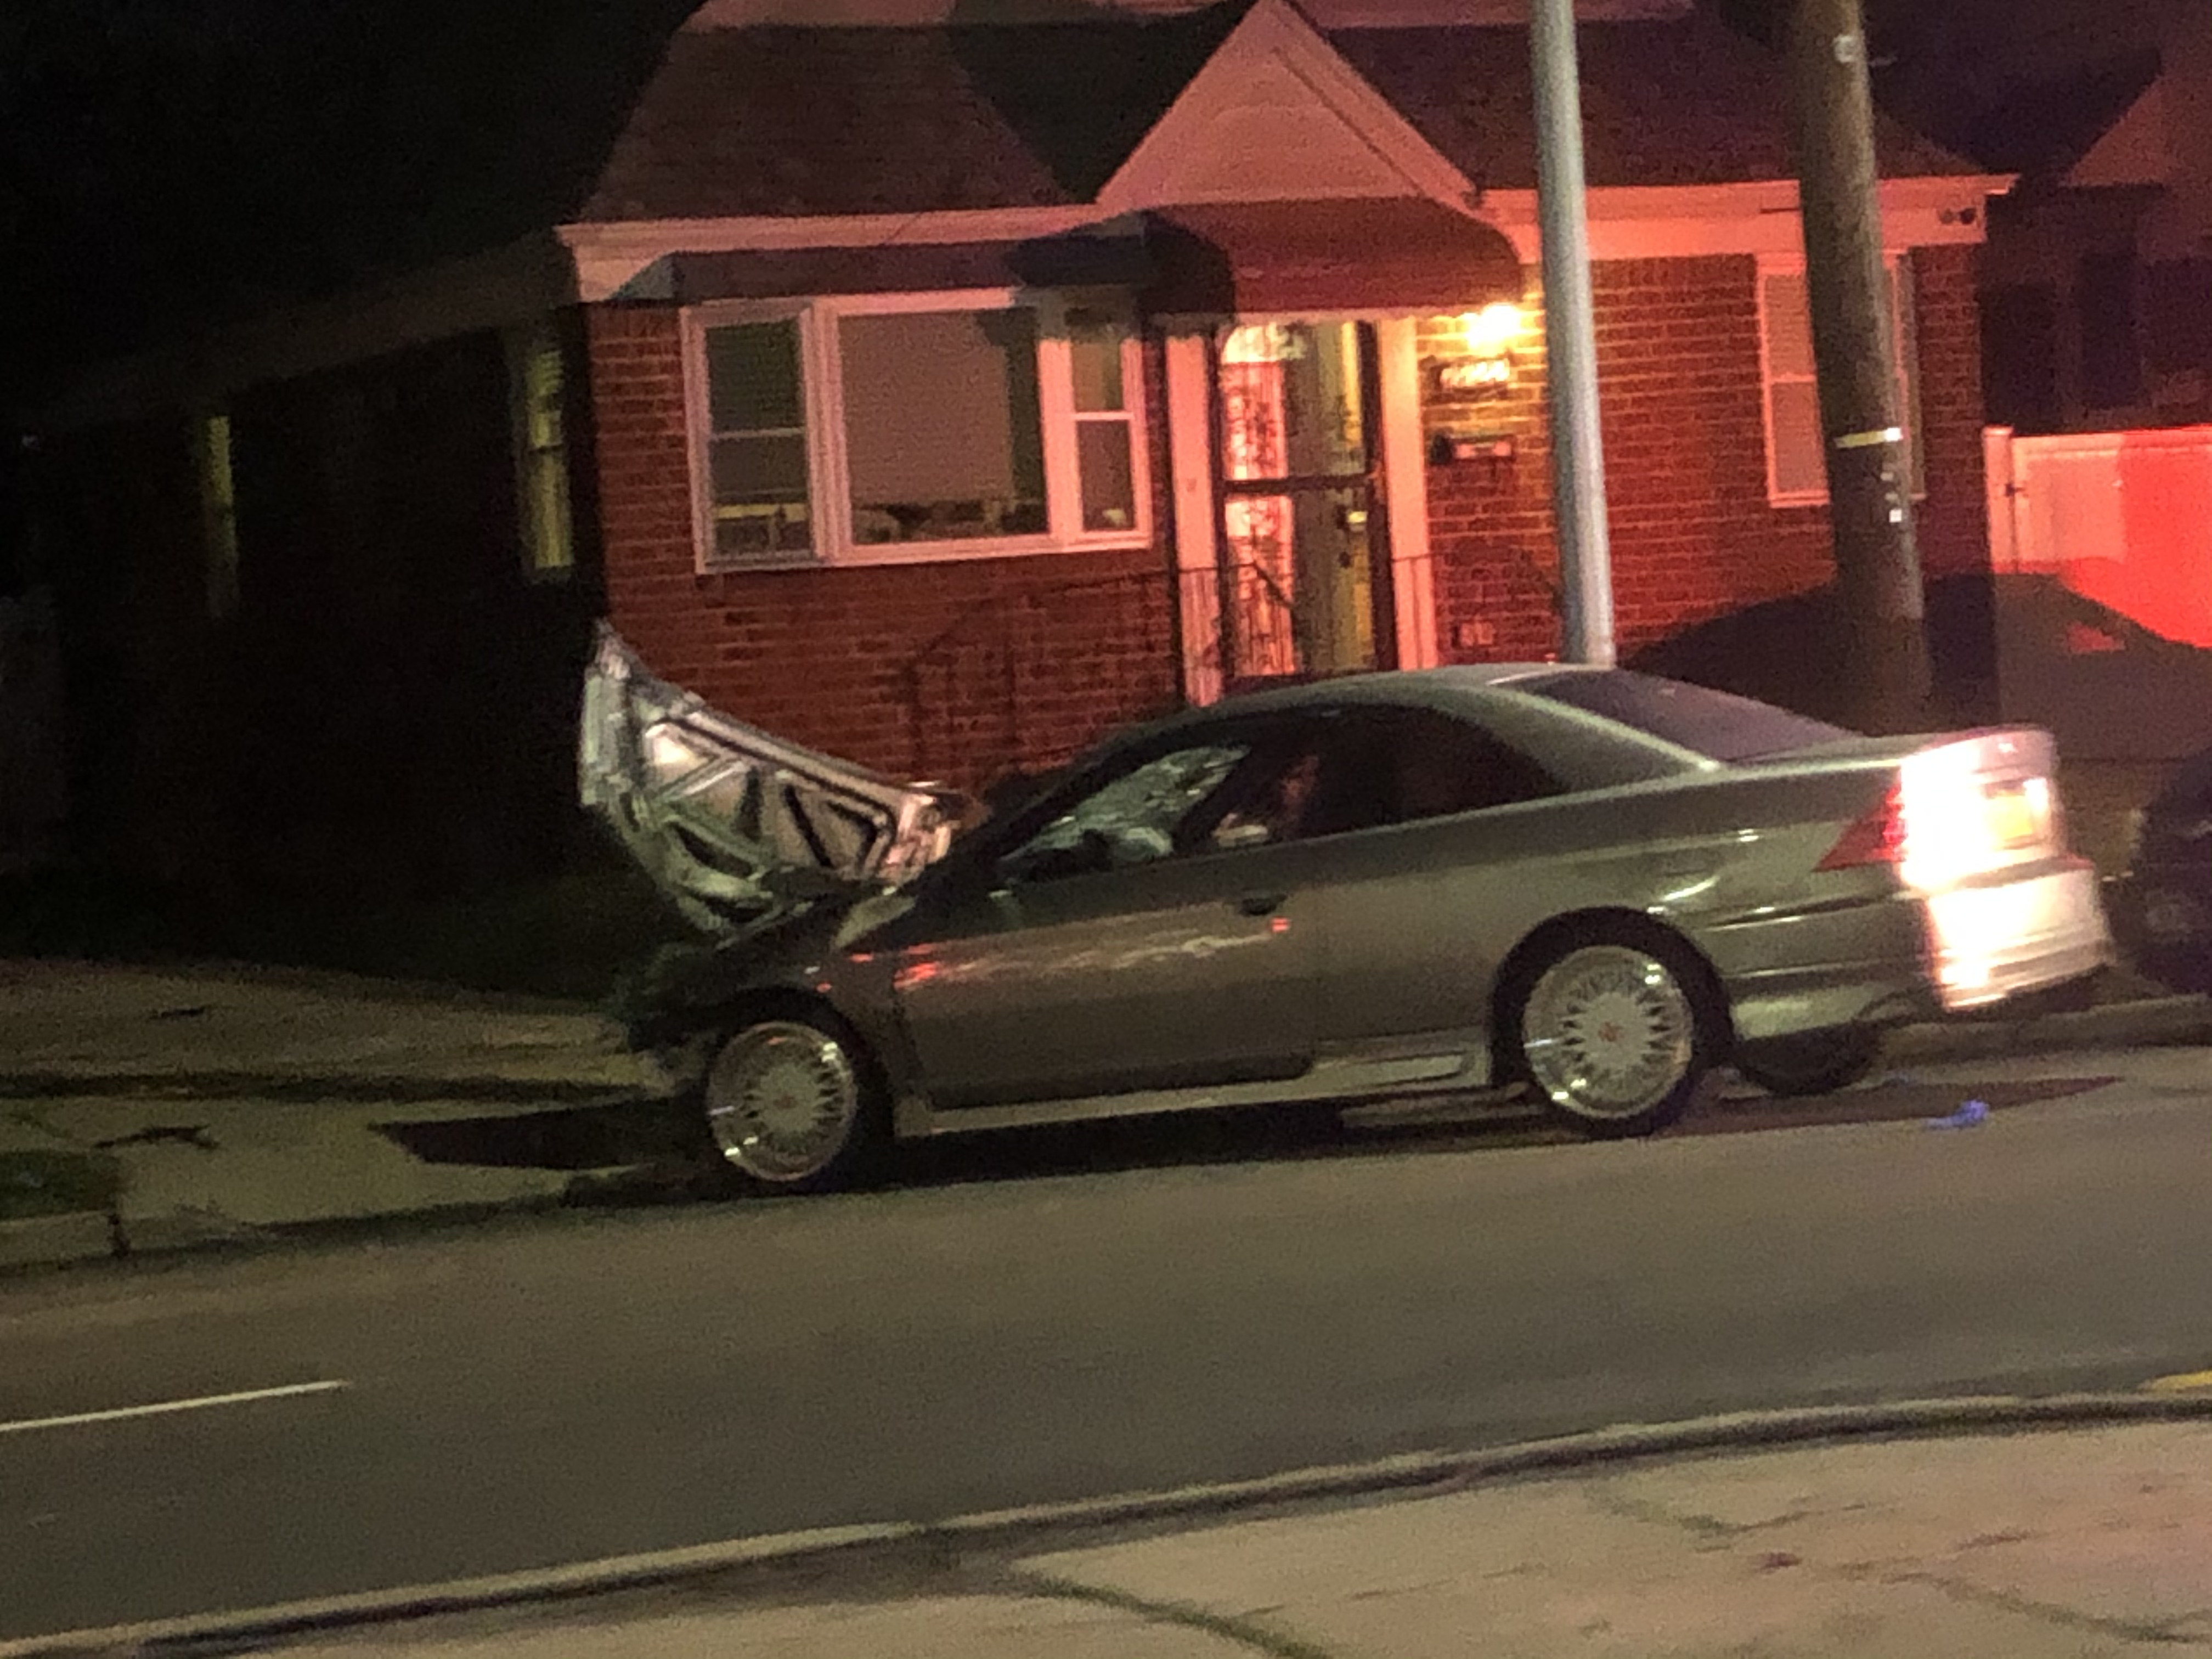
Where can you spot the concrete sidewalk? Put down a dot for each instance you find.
(2020, 1545)
(68, 1027)
(224, 1102)
(221, 1102)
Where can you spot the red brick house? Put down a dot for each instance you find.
(940, 395)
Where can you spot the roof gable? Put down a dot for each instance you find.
(1275, 114)
(2135, 149)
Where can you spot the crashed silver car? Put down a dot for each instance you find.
(1590, 883)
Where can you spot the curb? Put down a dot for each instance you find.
(53, 1241)
(1743, 1431)
(113, 1238)
(2176, 1019)
(367, 1088)
(334, 981)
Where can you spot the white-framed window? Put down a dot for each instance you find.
(891, 428)
(537, 377)
(1796, 463)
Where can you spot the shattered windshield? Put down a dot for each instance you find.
(1138, 811)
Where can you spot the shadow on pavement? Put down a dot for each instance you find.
(651, 1151)
(1889, 1102)
(603, 1136)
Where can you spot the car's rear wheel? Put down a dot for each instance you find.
(793, 1105)
(1817, 1063)
(1615, 1032)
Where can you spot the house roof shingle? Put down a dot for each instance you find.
(1672, 102)
(774, 121)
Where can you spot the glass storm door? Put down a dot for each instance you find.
(1305, 562)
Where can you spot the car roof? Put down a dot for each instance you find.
(1443, 687)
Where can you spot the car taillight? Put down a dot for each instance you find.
(1875, 837)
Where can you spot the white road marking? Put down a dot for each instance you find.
(163, 1407)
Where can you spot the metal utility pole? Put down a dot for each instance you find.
(1855, 352)
(1570, 340)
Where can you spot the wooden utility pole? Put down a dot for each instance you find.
(1855, 351)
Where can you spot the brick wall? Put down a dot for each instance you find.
(962, 670)
(1693, 538)
(968, 669)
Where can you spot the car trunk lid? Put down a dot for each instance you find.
(1958, 807)
(734, 824)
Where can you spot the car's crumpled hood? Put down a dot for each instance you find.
(735, 825)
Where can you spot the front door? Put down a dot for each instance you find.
(1305, 560)
(1136, 941)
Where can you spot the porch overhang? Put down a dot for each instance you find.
(1381, 256)
(1073, 261)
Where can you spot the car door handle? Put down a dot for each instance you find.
(1261, 904)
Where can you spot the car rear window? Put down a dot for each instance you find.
(1715, 724)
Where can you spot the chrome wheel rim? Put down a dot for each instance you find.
(783, 1099)
(1608, 1031)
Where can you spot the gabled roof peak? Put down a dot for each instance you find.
(1324, 14)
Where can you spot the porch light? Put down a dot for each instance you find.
(1491, 331)
(1486, 369)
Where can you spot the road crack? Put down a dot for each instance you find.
(2172, 1632)
(1709, 1527)
(1245, 1630)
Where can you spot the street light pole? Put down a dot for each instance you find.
(1868, 452)
(1570, 340)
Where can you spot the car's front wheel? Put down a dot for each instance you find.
(1615, 1032)
(792, 1104)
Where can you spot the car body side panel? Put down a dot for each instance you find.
(1184, 973)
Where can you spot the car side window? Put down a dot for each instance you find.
(1133, 817)
(1404, 765)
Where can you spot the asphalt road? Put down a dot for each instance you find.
(562, 1390)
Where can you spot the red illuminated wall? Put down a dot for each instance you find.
(964, 670)
(960, 671)
(1683, 412)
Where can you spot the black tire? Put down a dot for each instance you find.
(792, 1102)
(2162, 932)
(1817, 1063)
(1576, 1005)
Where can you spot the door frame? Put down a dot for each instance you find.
(1404, 582)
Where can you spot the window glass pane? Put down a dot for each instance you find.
(218, 511)
(1094, 344)
(1136, 813)
(756, 453)
(535, 370)
(748, 471)
(1276, 807)
(1788, 326)
(1799, 468)
(752, 376)
(541, 395)
(1404, 765)
(1109, 487)
(743, 533)
(943, 428)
